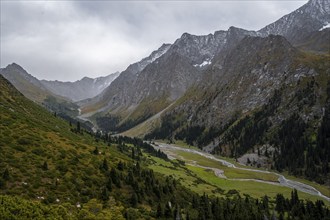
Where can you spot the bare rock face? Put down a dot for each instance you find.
(310, 17)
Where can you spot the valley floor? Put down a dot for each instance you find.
(231, 175)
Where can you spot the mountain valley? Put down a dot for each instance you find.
(229, 125)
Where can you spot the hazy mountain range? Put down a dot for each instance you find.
(38, 90)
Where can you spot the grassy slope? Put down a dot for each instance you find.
(30, 90)
(29, 136)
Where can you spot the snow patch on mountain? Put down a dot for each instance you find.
(327, 25)
(204, 63)
(153, 56)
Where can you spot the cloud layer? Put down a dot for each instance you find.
(67, 40)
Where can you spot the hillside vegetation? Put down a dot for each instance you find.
(51, 170)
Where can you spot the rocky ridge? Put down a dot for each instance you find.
(310, 17)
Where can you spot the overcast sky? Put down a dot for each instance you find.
(67, 40)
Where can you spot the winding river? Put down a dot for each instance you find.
(166, 148)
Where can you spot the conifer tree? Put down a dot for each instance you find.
(109, 184)
(45, 166)
(168, 210)
(159, 211)
(105, 165)
(96, 151)
(105, 194)
(294, 197)
(134, 200)
(78, 126)
(280, 203)
(5, 174)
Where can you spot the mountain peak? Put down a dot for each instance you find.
(298, 24)
(17, 69)
(319, 3)
(322, 6)
(185, 35)
(233, 28)
(15, 66)
(85, 78)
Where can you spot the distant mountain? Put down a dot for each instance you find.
(27, 84)
(116, 96)
(34, 90)
(309, 18)
(139, 93)
(81, 89)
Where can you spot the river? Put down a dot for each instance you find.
(281, 179)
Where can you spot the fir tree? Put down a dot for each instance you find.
(134, 200)
(5, 174)
(45, 166)
(105, 194)
(109, 184)
(159, 213)
(294, 197)
(168, 211)
(78, 126)
(105, 165)
(96, 151)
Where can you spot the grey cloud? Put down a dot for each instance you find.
(67, 40)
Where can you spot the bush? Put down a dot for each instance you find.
(24, 141)
(38, 152)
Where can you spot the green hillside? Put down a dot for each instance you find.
(44, 159)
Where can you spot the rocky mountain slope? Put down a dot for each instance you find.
(118, 91)
(137, 95)
(240, 81)
(250, 98)
(154, 87)
(81, 89)
(309, 18)
(255, 92)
